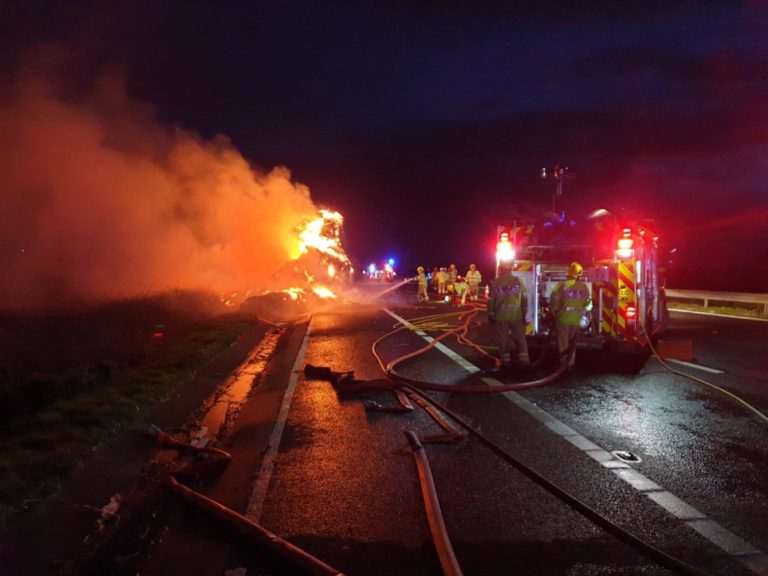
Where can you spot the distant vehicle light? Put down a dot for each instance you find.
(372, 268)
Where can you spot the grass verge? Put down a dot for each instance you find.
(55, 408)
(721, 310)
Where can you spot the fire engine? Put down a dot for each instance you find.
(621, 268)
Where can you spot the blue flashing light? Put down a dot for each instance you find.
(391, 261)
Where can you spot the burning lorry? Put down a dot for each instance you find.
(621, 268)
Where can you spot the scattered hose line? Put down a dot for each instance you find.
(432, 507)
(638, 544)
(418, 387)
(451, 433)
(279, 546)
(288, 552)
(731, 395)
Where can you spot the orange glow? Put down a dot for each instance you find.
(150, 208)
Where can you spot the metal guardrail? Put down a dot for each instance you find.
(721, 297)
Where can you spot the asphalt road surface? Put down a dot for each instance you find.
(341, 482)
(671, 461)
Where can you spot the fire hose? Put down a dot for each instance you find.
(723, 391)
(288, 552)
(445, 553)
(462, 330)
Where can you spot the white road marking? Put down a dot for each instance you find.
(754, 559)
(261, 485)
(692, 365)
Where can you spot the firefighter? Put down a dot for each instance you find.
(433, 279)
(473, 281)
(507, 308)
(442, 281)
(452, 273)
(460, 288)
(421, 280)
(568, 301)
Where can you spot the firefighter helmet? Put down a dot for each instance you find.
(420, 269)
(574, 270)
(472, 266)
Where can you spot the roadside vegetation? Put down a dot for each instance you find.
(728, 309)
(71, 379)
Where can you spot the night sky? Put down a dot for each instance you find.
(427, 124)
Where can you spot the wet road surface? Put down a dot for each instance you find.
(345, 487)
(340, 481)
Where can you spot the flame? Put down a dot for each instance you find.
(321, 263)
(294, 293)
(323, 292)
(321, 237)
(323, 234)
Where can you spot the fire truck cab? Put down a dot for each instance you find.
(621, 269)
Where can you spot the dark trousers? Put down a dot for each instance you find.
(511, 336)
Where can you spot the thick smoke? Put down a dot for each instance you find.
(98, 200)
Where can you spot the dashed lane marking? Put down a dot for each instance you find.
(692, 365)
(754, 559)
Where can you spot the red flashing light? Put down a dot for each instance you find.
(631, 312)
(158, 334)
(504, 250)
(624, 244)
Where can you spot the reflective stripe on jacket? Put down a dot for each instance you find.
(569, 300)
(507, 299)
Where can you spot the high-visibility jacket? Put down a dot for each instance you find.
(568, 301)
(507, 299)
(473, 277)
(421, 278)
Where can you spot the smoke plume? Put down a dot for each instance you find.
(100, 200)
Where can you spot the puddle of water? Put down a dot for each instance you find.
(224, 405)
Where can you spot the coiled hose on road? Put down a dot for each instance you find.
(418, 387)
(429, 323)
